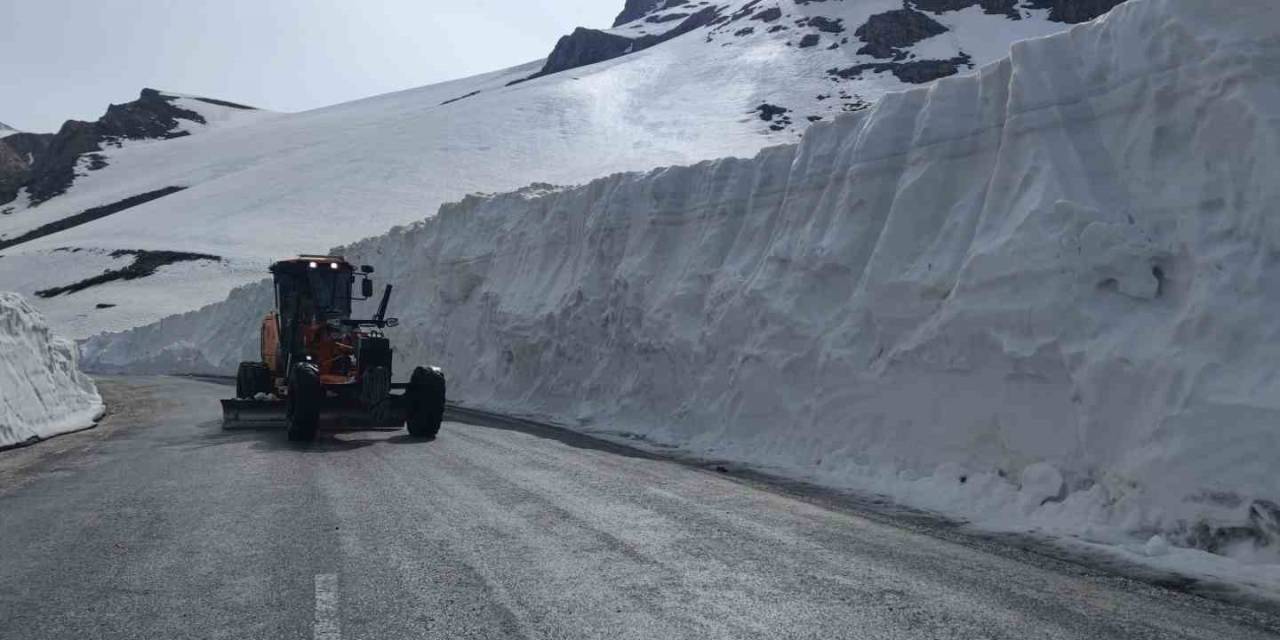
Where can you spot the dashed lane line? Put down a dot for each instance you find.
(326, 623)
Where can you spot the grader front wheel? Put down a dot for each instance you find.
(303, 406)
(426, 402)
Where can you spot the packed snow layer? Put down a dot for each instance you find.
(1045, 295)
(263, 185)
(42, 391)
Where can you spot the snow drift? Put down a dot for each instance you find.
(42, 392)
(1046, 294)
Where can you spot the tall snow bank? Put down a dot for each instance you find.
(1044, 295)
(42, 391)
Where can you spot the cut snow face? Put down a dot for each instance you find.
(262, 185)
(1041, 297)
(42, 391)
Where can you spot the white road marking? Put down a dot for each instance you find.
(326, 625)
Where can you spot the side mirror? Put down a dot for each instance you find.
(366, 288)
(366, 269)
(392, 322)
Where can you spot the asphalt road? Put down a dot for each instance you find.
(157, 524)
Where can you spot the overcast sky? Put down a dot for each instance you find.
(63, 59)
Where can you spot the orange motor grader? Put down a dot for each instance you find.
(319, 364)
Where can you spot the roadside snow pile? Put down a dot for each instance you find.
(42, 392)
(1045, 296)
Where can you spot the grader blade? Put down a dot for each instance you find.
(252, 414)
(262, 414)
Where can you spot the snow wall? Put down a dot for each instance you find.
(1045, 294)
(42, 391)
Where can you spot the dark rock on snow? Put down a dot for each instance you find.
(1075, 11)
(87, 216)
(886, 34)
(993, 7)
(583, 47)
(1068, 11)
(769, 111)
(145, 263)
(589, 46)
(827, 25)
(16, 154)
(768, 15)
(635, 9)
(914, 72)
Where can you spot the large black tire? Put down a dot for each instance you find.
(302, 408)
(426, 402)
(375, 396)
(252, 378)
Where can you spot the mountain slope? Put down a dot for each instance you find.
(259, 187)
(1044, 296)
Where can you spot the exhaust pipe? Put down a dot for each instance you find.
(382, 306)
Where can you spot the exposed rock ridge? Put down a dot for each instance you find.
(635, 9)
(589, 46)
(45, 164)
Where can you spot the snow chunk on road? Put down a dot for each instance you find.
(1157, 546)
(42, 391)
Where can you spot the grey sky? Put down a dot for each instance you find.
(63, 59)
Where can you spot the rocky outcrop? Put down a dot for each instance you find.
(584, 47)
(1067, 11)
(636, 9)
(86, 216)
(18, 154)
(145, 264)
(45, 164)
(994, 7)
(913, 72)
(887, 34)
(151, 116)
(1074, 11)
(589, 46)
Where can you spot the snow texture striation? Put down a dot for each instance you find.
(42, 391)
(1045, 295)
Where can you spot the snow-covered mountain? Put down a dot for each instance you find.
(1043, 296)
(6, 130)
(677, 82)
(41, 167)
